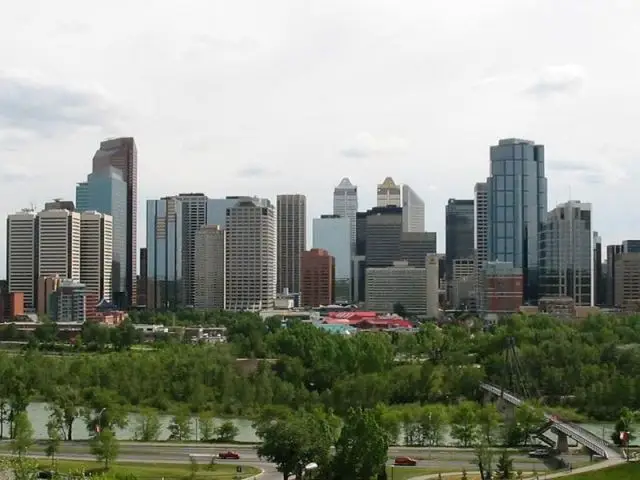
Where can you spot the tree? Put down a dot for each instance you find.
(147, 428)
(361, 450)
(464, 423)
(624, 424)
(22, 434)
(526, 421)
(504, 467)
(105, 447)
(399, 309)
(464, 475)
(207, 428)
(226, 432)
(54, 437)
(433, 423)
(484, 460)
(489, 421)
(66, 405)
(180, 427)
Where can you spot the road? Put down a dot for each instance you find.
(446, 459)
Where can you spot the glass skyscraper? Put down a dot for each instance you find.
(517, 207)
(106, 192)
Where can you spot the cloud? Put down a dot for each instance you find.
(255, 172)
(14, 173)
(366, 145)
(33, 105)
(564, 79)
(594, 174)
(568, 166)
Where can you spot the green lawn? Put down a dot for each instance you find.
(403, 473)
(628, 471)
(156, 471)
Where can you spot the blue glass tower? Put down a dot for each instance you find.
(106, 192)
(517, 207)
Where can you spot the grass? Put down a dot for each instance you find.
(627, 471)
(404, 473)
(155, 471)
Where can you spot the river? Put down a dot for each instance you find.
(39, 414)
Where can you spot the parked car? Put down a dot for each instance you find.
(229, 455)
(539, 453)
(405, 462)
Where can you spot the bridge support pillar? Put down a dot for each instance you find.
(488, 398)
(562, 445)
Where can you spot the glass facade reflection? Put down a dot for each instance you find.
(517, 201)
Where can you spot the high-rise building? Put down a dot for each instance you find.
(333, 234)
(165, 287)
(122, 154)
(480, 222)
(361, 234)
(251, 255)
(599, 287)
(412, 211)
(105, 191)
(59, 244)
(68, 302)
(345, 204)
(143, 281)
(565, 253)
(210, 267)
(389, 194)
(46, 287)
(517, 194)
(96, 250)
(60, 204)
(318, 272)
(459, 217)
(397, 284)
(627, 284)
(415, 246)
(384, 231)
(22, 251)
(292, 240)
(612, 252)
(631, 246)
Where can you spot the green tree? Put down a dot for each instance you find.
(105, 447)
(504, 467)
(67, 406)
(489, 420)
(484, 460)
(624, 424)
(22, 434)
(464, 423)
(433, 423)
(54, 438)
(180, 427)
(361, 450)
(226, 432)
(147, 428)
(207, 427)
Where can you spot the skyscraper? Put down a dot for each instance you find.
(59, 244)
(210, 267)
(22, 250)
(165, 288)
(517, 194)
(613, 251)
(96, 250)
(599, 286)
(412, 211)
(333, 234)
(389, 194)
(345, 204)
(565, 253)
(292, 239)
(459, 218)
(122, 154)
(106, 192)
(480, 222)
(251, 253)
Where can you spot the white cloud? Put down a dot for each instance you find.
(366, 145)
(561, 79)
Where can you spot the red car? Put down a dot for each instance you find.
(229, 455)
(405, 462)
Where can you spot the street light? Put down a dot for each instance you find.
(98, 421)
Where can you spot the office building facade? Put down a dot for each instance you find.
(415, 246)
(291, 213)
(122, 154)
(389, 194)
(22, 251)
(502, 288)
(384, 231)
(627, 281)
(210, 267)
(397, 284)
(318, 273)
(412, 211)
(345, 204)
(59, 244)
(517, 194)
(333, 234)
(599, 285)
(96, 250)
(68, 302)
(480, 222)
(251, 255)
(459, 229)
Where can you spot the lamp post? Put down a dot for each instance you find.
(99, 421)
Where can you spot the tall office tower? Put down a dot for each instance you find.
(345, 204)
(165, 287)
(251, 255)
(415, 246)
(612, 252)
(22, 251)
(565, 253)
(361, 234)
(459, 217)
(389, 194)
(59, 244)
(631, 246)
(210, 267)
(96, 251)
(384, 231)
(60, 204)
(142, 278)
(292, 240)
(333, 234)
(480, 222)
(599, 287)
(106, 192)
(517, 207)
(122, 154)
(412, 211)
(318, 273)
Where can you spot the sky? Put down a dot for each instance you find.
(251, 97)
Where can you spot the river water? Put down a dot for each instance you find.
(39, 415)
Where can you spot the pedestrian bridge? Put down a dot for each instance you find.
(561, 428)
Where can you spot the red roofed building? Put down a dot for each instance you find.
(367, 320)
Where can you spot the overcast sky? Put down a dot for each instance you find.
(264, 97)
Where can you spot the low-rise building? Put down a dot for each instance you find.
(398, 284)
(68, 302)
(502, 288)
